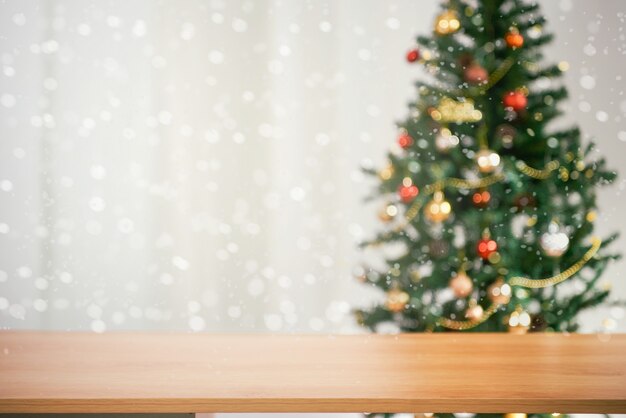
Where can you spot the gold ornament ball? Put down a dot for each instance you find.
(591, 216)
(474, 312)
(396, 300)
(359, 317)
(461, 285)
(487, 160)
(438, 209)
(499, 292)
(386, 173)
(445, 140)
(447, 23)
(514, 415)
(388, 212)
(519, 322)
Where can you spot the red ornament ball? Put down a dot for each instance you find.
(405, 140)
(408, 193)
(481, 198)
(413, 55)
(514, 39)
(516, 100)
(486, 247)
(475, 74)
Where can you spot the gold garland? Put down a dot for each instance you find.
(413, 210)
(459, 183)
(529, 283)
(463, 325)
(561, 277)
(536, 173)
(456, 183)
(474, 184)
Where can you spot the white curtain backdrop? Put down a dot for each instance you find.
(195, 165)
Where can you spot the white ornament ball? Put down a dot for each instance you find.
(554, 242)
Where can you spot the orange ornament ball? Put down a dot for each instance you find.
(514, 39)
(396, 300)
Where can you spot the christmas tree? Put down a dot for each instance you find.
(488, 207)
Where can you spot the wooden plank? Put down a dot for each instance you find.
(173, 373)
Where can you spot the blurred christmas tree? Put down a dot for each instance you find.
(489, 209)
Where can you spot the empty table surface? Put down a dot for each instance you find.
(172, 373)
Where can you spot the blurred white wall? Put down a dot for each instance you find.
(194, 165)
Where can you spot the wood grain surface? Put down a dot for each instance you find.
(139, 372)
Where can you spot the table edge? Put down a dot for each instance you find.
(277, 405)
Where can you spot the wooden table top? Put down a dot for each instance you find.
(139, 372)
